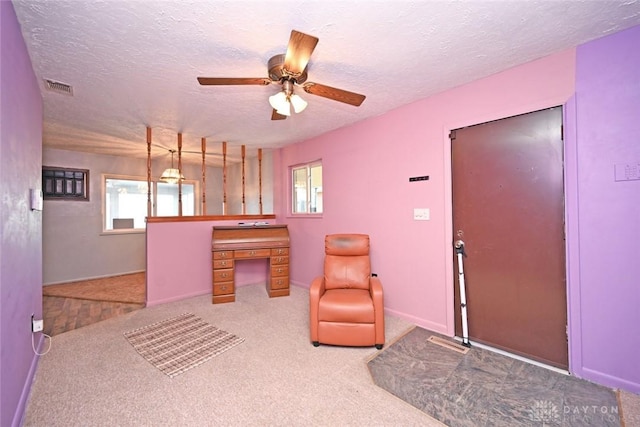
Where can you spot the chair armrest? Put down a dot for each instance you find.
(316, 290)
(375, 289)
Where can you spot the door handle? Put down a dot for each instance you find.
(459, 247)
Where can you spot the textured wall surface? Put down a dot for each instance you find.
(21, 232)
(606, 295)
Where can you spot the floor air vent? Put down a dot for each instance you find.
(448, 344)
(58, 87)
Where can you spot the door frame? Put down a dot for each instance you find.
(574, 332)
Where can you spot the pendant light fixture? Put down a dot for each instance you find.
(171, 175)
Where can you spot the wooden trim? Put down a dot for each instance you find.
(224, 177)
(244, 206)
(203, 146)
(159, 219)
(149, 171)
(180, 174)
(260, 179)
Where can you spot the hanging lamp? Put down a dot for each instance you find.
(171, 175)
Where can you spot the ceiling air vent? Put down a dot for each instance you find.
(54, 86)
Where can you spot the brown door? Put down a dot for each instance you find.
(508, 208)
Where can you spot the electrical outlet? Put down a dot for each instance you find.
(36, 325)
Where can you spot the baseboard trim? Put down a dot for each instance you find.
(92, 278)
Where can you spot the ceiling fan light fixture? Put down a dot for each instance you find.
(278, 101)
(290, 70)
(298, 103)
(285, 109)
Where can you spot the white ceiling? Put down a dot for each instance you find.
(134, 64)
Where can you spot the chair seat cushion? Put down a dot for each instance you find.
(346, 305)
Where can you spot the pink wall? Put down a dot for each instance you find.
(366, 170)
(21, 236)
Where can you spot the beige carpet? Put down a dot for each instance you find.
(276, 377)
(180, 343)
(127, 288)
(630, 404)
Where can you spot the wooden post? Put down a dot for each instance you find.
(260, 178)
(224, 177)
(244, 207)
(180, 174)
(148, 172)
(204, 177)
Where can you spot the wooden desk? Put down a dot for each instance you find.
(236, 243)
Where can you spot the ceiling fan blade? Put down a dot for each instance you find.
(277, 116)
(298, 52)
(221, 81)
(347, 97)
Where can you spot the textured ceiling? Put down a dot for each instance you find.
(134, 64)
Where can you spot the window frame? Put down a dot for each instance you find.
(292, 189)
(73, 195)
(154, 195)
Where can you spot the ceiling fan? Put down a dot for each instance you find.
(290, 70)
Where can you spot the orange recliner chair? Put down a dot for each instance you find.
(346, 304)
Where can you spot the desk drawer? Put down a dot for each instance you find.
(222, 276)
(279, 251)
(279, 270)
(280, 282)
(279, 260)
(223, 255)
(253, 253)
(223, 288)
(222, 263)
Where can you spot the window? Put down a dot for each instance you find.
(65, 184)
(125, 201)
(306, 188)
(168, 199)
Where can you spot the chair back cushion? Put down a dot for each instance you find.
(346, 262)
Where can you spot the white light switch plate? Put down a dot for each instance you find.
(421, 214)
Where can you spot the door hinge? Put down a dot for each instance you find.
(452, 135)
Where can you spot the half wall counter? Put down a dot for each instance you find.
(179, 259)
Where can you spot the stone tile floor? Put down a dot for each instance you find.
(484, 388)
